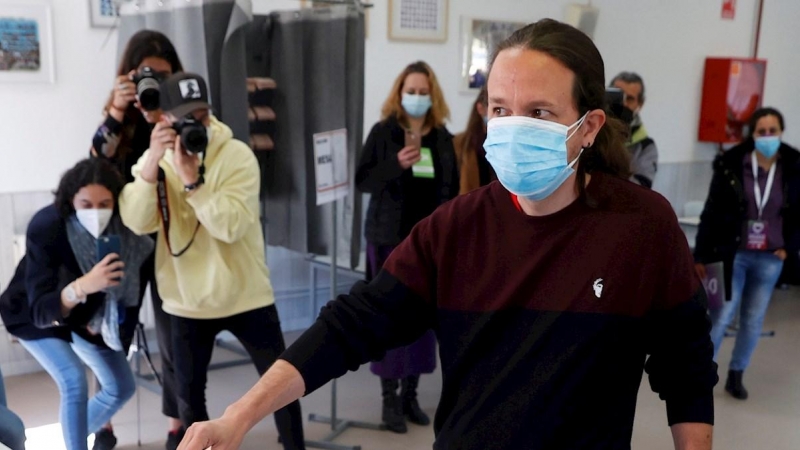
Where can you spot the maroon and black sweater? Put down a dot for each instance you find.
(544, 323)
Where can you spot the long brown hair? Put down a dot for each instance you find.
(579, 54)
(142, 45)
(439, 111)
(475, 134)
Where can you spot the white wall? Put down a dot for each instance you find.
(665, 41)
(46, 128)
(779, 45)
(267, 6)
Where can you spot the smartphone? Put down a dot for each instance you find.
(107, 245)
(414, 139)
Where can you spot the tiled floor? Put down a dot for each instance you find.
(768, 420)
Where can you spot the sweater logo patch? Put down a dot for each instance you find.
(598, 287)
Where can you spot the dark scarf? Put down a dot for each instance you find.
(134, 251)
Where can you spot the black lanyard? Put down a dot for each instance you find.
(163, 209)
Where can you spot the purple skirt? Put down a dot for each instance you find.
(414, 359)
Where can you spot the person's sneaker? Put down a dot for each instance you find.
(104, 440)
(174, 438)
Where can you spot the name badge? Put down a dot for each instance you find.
(756, 235)
(424, 168)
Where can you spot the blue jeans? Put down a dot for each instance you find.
(12, 431)
(754, 277)
(79, 415)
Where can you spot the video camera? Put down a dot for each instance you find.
(615, 99)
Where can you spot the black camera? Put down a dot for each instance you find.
(615, 99)
(147, 91)
(194, 137)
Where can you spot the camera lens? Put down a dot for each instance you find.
(194, 138)
(148, 93)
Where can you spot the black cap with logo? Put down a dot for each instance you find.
(183, 93)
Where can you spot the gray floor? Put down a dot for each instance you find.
(770, 419)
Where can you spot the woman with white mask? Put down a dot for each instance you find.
(408, 164)
(68, 301)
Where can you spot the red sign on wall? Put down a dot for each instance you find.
(728, 9)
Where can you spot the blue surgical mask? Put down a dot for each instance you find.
(416, 106)
(768, 145)
(529, 155)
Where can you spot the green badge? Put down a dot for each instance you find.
(424, 168)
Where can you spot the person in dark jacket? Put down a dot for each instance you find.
(68, 307)
(123, 138)
(408, 164)
(751, 223)
(12, 430)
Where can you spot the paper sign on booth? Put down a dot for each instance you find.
(330, 166)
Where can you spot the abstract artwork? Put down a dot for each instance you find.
(26, 43)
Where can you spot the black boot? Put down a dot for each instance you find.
(734, 384)
(174, 438)
(393, 417)
(104, 440)
(410, 405)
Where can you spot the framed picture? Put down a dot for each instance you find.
(479, 39)
(104, 13)
(418, 20)
(26, 42)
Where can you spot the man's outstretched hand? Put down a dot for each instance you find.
(219, 434)
(281, 385)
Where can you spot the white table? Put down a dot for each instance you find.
(689, 226)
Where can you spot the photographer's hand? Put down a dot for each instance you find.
(186, 165)
(124, 94)
(162, 138)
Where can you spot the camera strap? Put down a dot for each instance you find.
(163, 209)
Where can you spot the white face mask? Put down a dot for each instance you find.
(94, 221)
